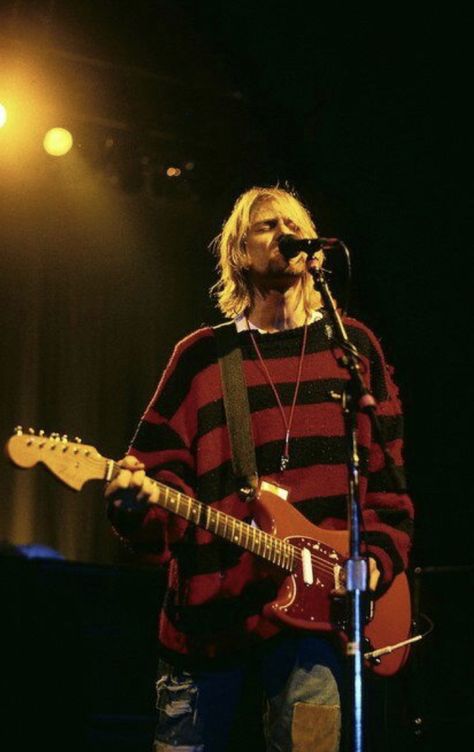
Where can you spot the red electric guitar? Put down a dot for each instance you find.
(309, 559)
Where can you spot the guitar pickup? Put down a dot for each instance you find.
(307, 566)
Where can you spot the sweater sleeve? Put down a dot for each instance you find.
(387, 514)
(163, 442)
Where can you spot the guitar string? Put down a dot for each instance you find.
(318, 561)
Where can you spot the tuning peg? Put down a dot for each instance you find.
(77, 440)
(64, 438)
(18, 430)
(31, 431)
(41, 433)
(54, 435)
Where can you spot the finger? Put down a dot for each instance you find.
(149, 491)
(374, 574)
(145, 488)
(121, 480)
(131, 462)
(137, 479)
(374, 579)
(155, 493)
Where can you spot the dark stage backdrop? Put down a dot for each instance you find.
(96, 288)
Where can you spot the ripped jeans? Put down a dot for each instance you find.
(300, 680)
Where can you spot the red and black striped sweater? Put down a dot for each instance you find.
(216, 590)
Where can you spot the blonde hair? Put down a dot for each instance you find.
(233, 292)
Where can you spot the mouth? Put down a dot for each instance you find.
(275, 251)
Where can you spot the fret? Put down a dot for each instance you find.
(213, 520)
(210, 520)
(267, 552)
(274, 554)
(254, 547)
(278, 554)
(224, 519)
(256, 542)
(225, 526)
(247, 529)
(221, 525)
(196, 511)
(267, 549)
(173, 500)
(238, 532)
(167, 493)
(291, 558)
(260, 541)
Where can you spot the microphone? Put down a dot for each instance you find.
(289, 245)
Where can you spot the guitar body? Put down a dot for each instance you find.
(312, 606)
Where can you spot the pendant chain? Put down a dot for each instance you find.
(285, 457)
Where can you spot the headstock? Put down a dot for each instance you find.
(71, 461)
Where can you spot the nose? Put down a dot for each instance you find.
(282, 229)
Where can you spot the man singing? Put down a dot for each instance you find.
(212, 629)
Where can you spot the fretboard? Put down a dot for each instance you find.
(235, 531)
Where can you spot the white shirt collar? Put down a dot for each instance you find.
(241, 322)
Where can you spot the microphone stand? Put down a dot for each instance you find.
(355, 397)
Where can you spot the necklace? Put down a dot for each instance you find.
(285, 456)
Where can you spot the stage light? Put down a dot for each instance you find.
(3, 115)
(58, 141)
(173, 172)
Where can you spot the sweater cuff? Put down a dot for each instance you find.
(125, 511)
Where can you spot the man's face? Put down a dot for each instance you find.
(268, 222)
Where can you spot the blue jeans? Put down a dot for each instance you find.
(300, 681)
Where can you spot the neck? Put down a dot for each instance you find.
(275, 311)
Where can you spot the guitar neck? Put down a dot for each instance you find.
(265, 545)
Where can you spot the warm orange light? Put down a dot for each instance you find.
(173, 172)
(58, 141)
(3, 115)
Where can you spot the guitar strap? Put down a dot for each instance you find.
(236, 406)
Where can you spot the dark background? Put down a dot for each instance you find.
(105, 264)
